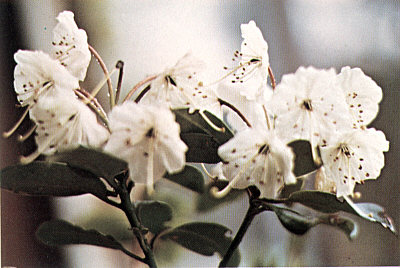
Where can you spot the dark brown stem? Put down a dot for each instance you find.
(233, 108)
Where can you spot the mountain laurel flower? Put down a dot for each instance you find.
(362, 95)
(253, 58)
(309, 105)
(147, 137)
(70, 45)
(257, 157)
(37, 75)
(179, 86)
(355, 156)
(63, 125)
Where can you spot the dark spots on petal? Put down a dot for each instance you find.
(361, 159)
(360, 167)
(236, 165)
(145, 154)
(150, 133)
(128, 142)
(367, 175)
(233, 150)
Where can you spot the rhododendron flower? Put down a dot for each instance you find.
(37, 75)
(179, 87)
(252, 73)
(65, 125)
(353, 157)
(147, 137)
(257, 157)
(309, 105)
(70, 45)
(362, 94)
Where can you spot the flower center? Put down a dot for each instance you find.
(307, 105)
(264, 149)
(345, 150)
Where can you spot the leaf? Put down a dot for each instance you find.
(203, 238)
(153, 215)
(190, 177)
(203, 140)
(303, 160)
(51, 179)
(207, 201)
(328, 203)
(300, 224)
(59, 233)
(95, 161)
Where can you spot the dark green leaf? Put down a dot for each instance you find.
(300, 224)
(303, 160)
(202, 148)
(207, 201)
(95, 161)
(195, 123)
(203, 238)
(59, 233)
(153, 215)
(203, 140)
(328, 203)
(293, 221)
(51, 179)
(190, 177)
(291, 188)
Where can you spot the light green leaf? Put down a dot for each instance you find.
(51, 179)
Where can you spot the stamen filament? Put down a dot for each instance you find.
(211, 124)
(138, 85)
(14, 128)
(150, 167)
(271, 75)
(104, 68)
(236, 110)
(22, 138)
(100, 85)
(120, 66)
(208, 173)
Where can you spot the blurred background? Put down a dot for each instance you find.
(152, 35)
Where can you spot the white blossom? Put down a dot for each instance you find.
(362, 94)
(147, 137)
(353, 157)
(36, 75)
(257, 157)
(309, 105)
(65, 125)
(70, 45)
(250, 77)
(179, 87)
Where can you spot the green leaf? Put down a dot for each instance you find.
(303, 160)
(203, 140)
(299, 224)
(153, 215)
(190, 177)
(207, 201)
(59, 233)
(203, 238)
(95, 161)
(51, 179)
(328, 203)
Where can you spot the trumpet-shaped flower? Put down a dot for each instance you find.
(179, 87)
(309, 105)
(252, 73)
(257, 157)
(362, 94)
(355, 156)
(70, 45)
(147, 137)
(37, 75)
(65, 125)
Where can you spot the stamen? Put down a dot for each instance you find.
(138, 85)
(120, 66)
(208, 173)
(105, 79)
(211, 124)
(22, 138)
(14, 128)
(150, 168)
(214, 191)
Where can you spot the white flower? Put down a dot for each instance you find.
(257, 157)
(362, 94)
(309, 105)
(65, 125)
(179, 87)
(37, 75)
(252, 73)
(355, 156)
(70, 45)
(147, 137)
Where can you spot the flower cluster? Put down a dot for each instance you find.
(330, 110)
